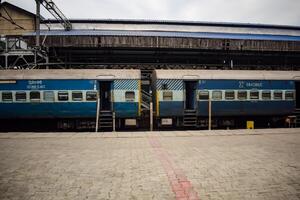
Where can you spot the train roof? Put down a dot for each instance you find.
(94, 74)
(227, 74)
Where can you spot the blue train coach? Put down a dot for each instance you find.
(74, 98)
(183, 97)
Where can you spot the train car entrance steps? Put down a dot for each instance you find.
(106, 120)
(190, 118)
(297, 114)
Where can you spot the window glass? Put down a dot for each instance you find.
(91, 96)
(217, 95)
(266, 95)
(7, 96)
(35, 96)
(129, 96)
(289, 95)
(63, 96)
(20, 96)
(229, 94)
(254, 95)
(167, 96)
(242, 95)
(49, 96)
(277, 95)
(203, 95)
(77, 96)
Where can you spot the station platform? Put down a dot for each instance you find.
(162, 165)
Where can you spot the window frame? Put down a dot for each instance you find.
(242, 92)
(60, 93)
(48, 99)
(91, 92)
(164, 96)
(265, 92)
(76, 98)
(254, 91)
(131, 99)
(216, 91)
(207, 95)
(229, 91)
(7, 100)
(277, 91)
(19, 93)
(289, 91)
(34, 99)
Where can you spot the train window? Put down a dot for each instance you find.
(167, 96)
(63, 96)
(254, 95)
(265, 95)
(129, 96)
(229, 94)
(278, 95)
(49, 96)
(203, 95)
(241, 95)
(77, 96)
(91, 96)
(35, 96)
(289, 95)
(20, 96)
(7, 96)
(217, 95)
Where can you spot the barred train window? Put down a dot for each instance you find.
(167, 96)
(278, 95)
(91, 96)
(229, 94)
(289, 95)
(203, 95)
(63, 96)
(242, 95)
(49, 96)
(35, 96)
(77, 96)
(266, 95)
(7, 96)
(20, 96)
(217, 95)
(129, 96)
(254, 95)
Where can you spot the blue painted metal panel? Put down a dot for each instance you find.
(246, 84)
(126, 109)
(48, 110)
(49, 85)
(170, 108)
(240, 108)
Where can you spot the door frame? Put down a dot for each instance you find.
(110, 89)
(194, 84)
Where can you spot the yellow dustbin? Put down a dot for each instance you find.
(250, 124)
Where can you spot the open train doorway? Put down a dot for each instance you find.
(190, 95)
(297, 86)
(105, 95)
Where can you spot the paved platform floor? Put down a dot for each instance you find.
(238, 164)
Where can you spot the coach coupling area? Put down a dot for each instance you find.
(161, 165)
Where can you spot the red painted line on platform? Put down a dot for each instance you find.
(180, 185)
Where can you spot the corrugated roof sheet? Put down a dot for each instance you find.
(177, 22)
(170, 34)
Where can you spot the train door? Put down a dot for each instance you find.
(297, 86)
(105, 95)
(190, 95)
